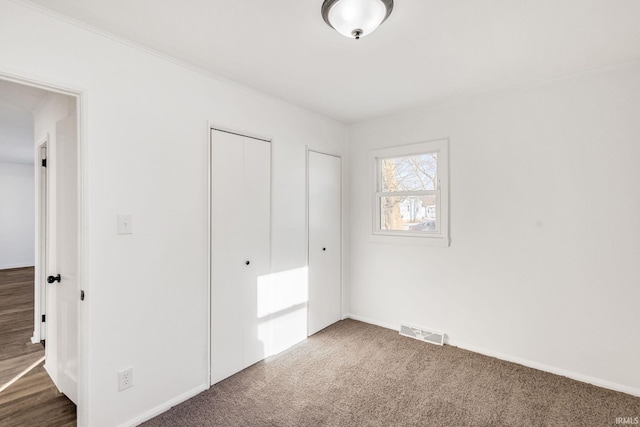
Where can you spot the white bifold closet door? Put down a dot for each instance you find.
(240, 248)
(325, 255)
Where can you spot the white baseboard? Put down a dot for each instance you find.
(520, 361)
(548, 368)
(374, 322)
(18, 265)
(145, 416)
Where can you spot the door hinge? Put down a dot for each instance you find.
(44, 318)
(44, 163)
(81, 295)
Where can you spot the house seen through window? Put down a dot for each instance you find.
(411, 186)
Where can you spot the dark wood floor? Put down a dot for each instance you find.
(33, 400)
(16, 323)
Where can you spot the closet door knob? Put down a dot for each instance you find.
(324, 249)
(52, 279)
(247, 262)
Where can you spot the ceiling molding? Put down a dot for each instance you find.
(192, 63)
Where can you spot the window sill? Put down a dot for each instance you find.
(410, 240)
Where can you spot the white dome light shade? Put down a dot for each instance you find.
(356, 18)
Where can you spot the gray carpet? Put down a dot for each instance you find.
(355, 374)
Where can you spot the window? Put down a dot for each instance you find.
(411, 192)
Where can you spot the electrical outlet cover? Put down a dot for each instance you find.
(125, 379)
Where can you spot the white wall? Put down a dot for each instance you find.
(545, 219)
(16, 188)
(17, 207)
(146, 154)
(53, 108)
(16, 134)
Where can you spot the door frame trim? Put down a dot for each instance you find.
(80, 96)
(42, 233)
(342, 222)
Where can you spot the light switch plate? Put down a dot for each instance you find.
(125, 224)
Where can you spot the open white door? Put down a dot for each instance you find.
(62, 316)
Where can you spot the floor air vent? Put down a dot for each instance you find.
(422, 334)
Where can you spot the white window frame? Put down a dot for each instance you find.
(440, 237)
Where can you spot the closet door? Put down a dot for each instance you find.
(256, 225)
(240, 248)
(227, 252)
(325, 256)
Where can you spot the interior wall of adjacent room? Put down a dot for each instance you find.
(17, 207)
(53, 108)
(16, 187)
(545, 219)
(146, 145)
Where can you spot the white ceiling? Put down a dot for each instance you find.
(17, 103)
(426, 53)
(21, 97)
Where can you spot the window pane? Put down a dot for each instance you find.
(411, 213)
(409, 173)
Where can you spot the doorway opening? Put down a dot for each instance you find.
(40, 272)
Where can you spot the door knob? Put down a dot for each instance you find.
(324, 249)
(247, 262)
(52, 279)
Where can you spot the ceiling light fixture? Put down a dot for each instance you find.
(356, 18)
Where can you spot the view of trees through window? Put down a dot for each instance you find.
(408, 191)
